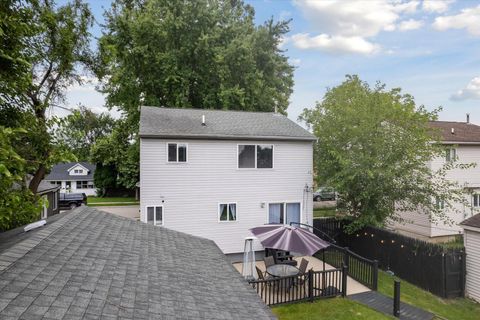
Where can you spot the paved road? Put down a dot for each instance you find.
(131, 212)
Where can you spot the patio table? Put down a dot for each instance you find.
(282, 270)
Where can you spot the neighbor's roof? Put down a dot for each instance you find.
(473, 221)
(91, 264)
(159, 122)
(46, 186)
(463, 132)
(60, 172)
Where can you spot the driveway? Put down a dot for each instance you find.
(131, 212)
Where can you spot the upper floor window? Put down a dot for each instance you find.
(177, 152)
(78, 171)
(253, 156)
(450, 154)
(439, 203)
(476, 200)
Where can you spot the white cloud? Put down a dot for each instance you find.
(410, 24)
(471, 91)
(334, 43)
(436, 6)
(345, 27)
(468, 18)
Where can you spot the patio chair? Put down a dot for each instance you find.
(269, 261)
(303, 266)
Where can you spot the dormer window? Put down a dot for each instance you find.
(78, 171)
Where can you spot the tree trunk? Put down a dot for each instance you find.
(37, 178)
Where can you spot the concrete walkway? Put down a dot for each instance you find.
(353, 286)
(131, 212)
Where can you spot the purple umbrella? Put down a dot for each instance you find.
(288, 238)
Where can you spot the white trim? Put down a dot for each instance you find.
(228, 209)
(284, 202)
(55, 200)
(255, 154)
(154, 214)
(176, 143)
(78, 164)
(470, 228)
(44, 213)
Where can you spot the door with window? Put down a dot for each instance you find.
(284, 212)
(154, 215)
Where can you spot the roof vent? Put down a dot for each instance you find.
(468, 117)
(453, 131)
(35, 225)
(203, 120)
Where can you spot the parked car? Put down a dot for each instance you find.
(324, 194)
(72, 200)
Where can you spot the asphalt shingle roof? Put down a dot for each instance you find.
(220, 124)
(473, 221)
(59, 172)
(91, 264)
(462, 131)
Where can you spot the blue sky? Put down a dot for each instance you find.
(431, 49)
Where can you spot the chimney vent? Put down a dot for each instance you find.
(468, 117)
(453, 130)
(203, 120)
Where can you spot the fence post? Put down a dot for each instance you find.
(345, 257)
(463, 256)
(396, 299)
(344, 280)
(375, 275)
(310, 285)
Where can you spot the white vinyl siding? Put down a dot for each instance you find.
(191, 194)
(472, 248)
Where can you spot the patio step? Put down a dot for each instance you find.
(384, 304)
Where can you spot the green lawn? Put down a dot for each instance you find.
(451, 309)
(324, 212)
(335, 308)
(111, 201)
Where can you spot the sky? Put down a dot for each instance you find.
(429, 48)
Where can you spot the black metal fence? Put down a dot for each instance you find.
(312, 285)
(427, 265)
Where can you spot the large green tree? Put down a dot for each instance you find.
(188, 54)
(53, 47)
(373, 146)
(82, 128)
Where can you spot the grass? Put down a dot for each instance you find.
(111, 201)
(335, 308)
(324, 212)
(452, 309)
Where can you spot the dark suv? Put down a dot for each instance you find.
(72, 200)
(324, 194)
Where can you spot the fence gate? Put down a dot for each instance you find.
(454, 266)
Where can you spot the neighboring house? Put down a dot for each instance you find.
(216, 174)
(462, 141)
(471, 241)
(50, 193)
(89, 264)
(74, 177)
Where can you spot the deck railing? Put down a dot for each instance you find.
(312, 285)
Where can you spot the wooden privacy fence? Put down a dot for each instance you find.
(312, 285)
(427, 265)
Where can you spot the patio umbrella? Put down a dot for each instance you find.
(288, 238)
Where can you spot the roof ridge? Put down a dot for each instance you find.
(214, 110)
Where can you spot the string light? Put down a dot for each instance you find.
(393, 241)
(401, 246)
(372, 235)
(381, 241)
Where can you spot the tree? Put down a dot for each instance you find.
(373, 146)
(54, 52)
(187, 54)
(80, 130)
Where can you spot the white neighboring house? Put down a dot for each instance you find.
(472, 250)
(216, 174)
(73, 177)
(462, 140)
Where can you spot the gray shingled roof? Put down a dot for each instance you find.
(59, 172)
(46, 186)
(91, 264)
(187, 123)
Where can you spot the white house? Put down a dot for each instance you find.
(462, 141)
(73, 177)
(472, 250)
(216, 174)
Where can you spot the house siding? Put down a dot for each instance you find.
(467, 177)
(472, 247)
(191, 192)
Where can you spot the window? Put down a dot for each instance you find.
(450, 154)
(439, 203)
(177, 152)
(78, 171)
(284, 213)
(476, 200)
(85, 185)
(57, 183)
(227, 211)
(55, 200)
(255, 156)
(155, 215)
